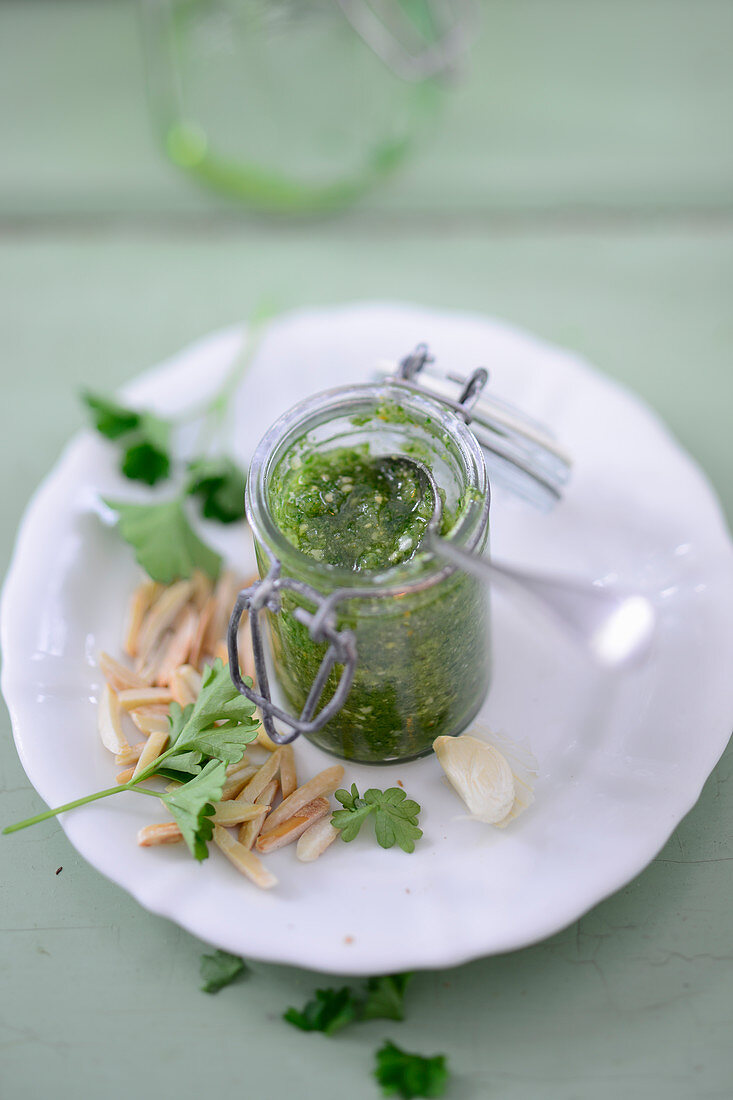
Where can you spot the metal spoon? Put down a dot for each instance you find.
(616, 626)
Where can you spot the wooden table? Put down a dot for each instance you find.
(580, 185)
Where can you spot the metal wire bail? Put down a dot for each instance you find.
(265, 595)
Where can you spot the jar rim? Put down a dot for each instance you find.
(294, 424)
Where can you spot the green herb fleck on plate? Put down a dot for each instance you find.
(329, 1011)
(395, 816)
(219, 484)
(219, 970)
(409, 1075)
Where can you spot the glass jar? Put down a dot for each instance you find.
(421, 627)
(291, 105)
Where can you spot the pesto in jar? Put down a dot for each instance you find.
(423, 662)
(348, 508)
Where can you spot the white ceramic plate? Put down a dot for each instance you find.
(621, 758)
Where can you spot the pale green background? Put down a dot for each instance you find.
(580, 186)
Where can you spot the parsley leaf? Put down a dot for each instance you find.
(164, 542)
(110, 419)
(329, 1011)
(386, 997)
(220, 969)
(191, 806)
(147, 457)
(144, 436)
(194, 729)
(395, 820)
(352, 817)
(220, 485)
(395, 816)
(408, 1075)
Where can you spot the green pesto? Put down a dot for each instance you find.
(423, 660)
(348, 508)
(423, 670)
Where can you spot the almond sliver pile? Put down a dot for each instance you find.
(172, 632)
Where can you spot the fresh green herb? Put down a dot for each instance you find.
(192, 806)
(395, 816)
(329, 1011)
(110, 419)
(144, 462)
(144, 437)
(165, 544)
(198, 747)
(147, 455)
(332, 1009)
(220, 969)
(408, 1075)
(386, 997)
(219, 484)
(194, 730)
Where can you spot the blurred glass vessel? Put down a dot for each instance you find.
(297, 105)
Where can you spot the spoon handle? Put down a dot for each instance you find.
(617, 626)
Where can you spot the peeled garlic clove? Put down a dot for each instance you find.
(479, 774)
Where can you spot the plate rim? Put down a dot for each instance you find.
(330, 963)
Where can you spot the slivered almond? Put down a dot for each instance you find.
(243, 763)
(265, 740)
(162, 615)
(246, 650)
(235, 812)
(125, 776)
(197, 645)
(151, 835)
(324, 783)
(178, 645)
(316, 839)
(267, 772)
(148, 668)
(133, 698)
(244, 860)
(202, 588)
(151, 719)
(249, 832)
(225, 594)
(192, 677)
(181, 689)
(185, 684)
(153, 748)
(109, 721)
(130, 755)
(220, 652)
(142, 600)
(288, 777)
(237, 781)
(119, 676)
(295, 826)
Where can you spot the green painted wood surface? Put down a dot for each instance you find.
(581, 187)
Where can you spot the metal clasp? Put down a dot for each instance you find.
(521, 453)
(265, 595)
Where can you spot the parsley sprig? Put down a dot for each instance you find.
(395, 816)
(205, 738)
(330, 1010)
(144, 438)
(160, 532)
